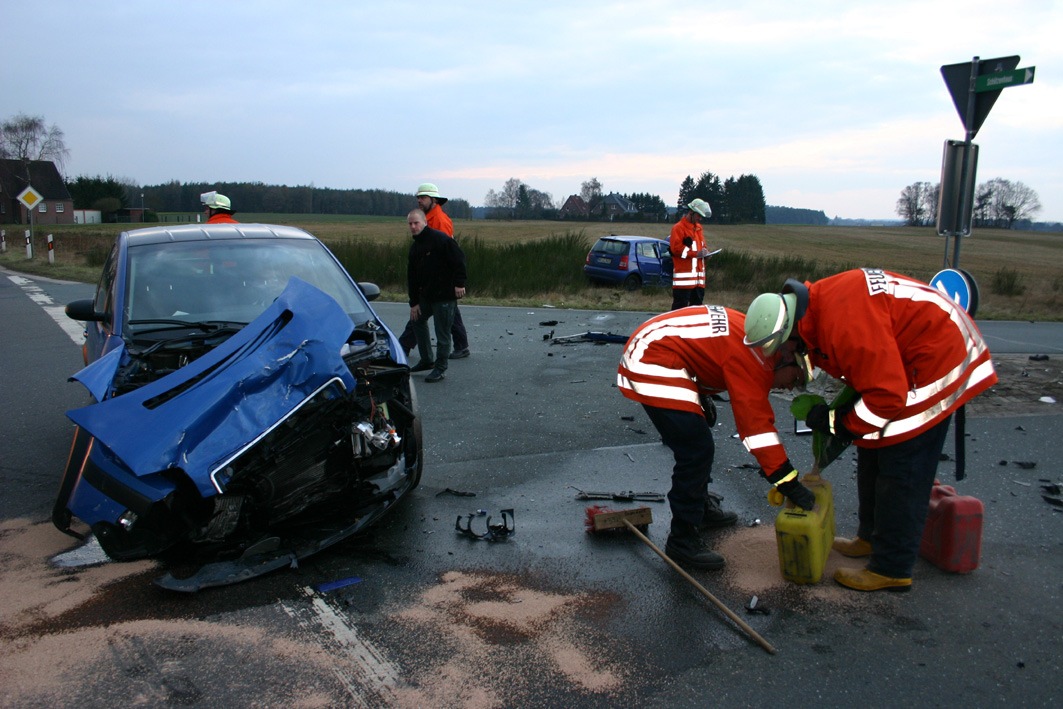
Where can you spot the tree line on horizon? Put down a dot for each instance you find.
(998, 204)
(734, 201)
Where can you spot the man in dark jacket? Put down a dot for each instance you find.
(436, 280)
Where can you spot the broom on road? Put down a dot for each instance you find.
(602, 519)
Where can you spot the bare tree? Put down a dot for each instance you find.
(507, 198)
(983, 202)
(917, 205)
(28, 138)
(1007, 202)
(930, 203)
(590, 192)
(518, 199)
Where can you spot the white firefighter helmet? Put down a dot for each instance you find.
(701, 207)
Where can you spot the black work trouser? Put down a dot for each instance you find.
(460, 337)
(682, 297)
(690, 438)
(893, 484)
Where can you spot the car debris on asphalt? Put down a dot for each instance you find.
(623, 496)
(497, 532)
(598, 338)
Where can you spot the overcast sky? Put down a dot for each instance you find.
(834, 106)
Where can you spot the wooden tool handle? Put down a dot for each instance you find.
(727, 611)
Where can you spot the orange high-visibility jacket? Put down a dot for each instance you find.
(912, 354)
(438, 219)
(688, 272)
(670, 357)
(222, 218)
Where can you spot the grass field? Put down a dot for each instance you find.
(535, 263)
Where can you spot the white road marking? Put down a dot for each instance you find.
(361, 667)
(74, 329)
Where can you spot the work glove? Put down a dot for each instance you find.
(798, 494)
(821, 418)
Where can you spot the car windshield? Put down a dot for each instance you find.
(228, 280)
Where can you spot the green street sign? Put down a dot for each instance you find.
(1004, 79)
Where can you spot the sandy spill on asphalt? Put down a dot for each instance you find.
(501, 641)
(500, 636)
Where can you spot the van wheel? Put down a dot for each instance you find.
(632, 282)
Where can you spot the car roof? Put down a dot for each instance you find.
(616, 237)
(206, 232)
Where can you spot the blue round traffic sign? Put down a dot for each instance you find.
(958, 286)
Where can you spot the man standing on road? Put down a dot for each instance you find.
(671, 365)
(687, 244)
(218, 207)
(435, 281)
(431, 203)
(914, 357)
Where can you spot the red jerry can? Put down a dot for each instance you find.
(952, 538)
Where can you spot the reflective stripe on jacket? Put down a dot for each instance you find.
(912, 354)
(687, 271)
(671, 358)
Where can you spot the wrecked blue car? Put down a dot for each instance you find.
(250, 406)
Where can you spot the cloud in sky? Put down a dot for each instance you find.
(833, 105)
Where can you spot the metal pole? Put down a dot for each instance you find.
(962, 206)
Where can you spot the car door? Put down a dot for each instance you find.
(667, 265)
(649, 262)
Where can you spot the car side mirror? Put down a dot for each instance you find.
(85, 311)
(371, 291)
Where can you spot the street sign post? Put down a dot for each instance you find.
(974, 87)
(30, 199)
(960, 79)
(956, 193)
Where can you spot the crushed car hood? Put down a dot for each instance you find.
(206, 412)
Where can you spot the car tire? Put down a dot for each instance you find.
(632, 282)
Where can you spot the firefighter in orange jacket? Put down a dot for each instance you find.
(671, 365)
(914, 357)
(431, 203)
(219, 208)
(687, 245)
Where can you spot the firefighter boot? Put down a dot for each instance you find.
(868, 580)
(685, 547)
(715, 517)
(855, 547)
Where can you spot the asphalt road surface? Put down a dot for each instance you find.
(551, 616)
